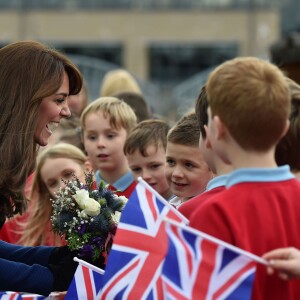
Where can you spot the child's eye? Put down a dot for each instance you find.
(91, 137)
(68, 174)
(111, 135)
(136, 170)
(52, 184)
(189, 165)
(170, 162)
(155, 166)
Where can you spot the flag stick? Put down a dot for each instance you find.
(162, 199)
(88, 265)
(218, 241)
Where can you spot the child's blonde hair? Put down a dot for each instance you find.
(146, 133)
(186, 131)
(251, 97)
(119, 113)
(118, 81)
(34, 229)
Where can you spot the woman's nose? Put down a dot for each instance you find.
(65, 111)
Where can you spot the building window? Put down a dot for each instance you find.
(172, 63)
(112, 53)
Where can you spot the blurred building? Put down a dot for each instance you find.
(161, 41)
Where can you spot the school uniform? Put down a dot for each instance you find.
(258, 211)
(214, 186)
(124, 186)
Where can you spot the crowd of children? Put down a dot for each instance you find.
(231, 166)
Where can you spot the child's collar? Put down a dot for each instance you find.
(259, 175)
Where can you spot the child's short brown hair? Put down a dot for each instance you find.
(120, 114)
(146, 133)
(201, 107)
(252, 99)
(185, 131)
(137, 102)
(287, 150)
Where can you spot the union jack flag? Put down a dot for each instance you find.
(198, 266)
(21, 296)
(10, 296)
(135, 262)
(86, 282)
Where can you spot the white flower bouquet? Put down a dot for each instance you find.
(87, 217)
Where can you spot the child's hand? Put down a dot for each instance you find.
(286, 261)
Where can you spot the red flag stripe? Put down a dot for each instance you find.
(88, 282)
(223, 288)
(187, 250)
(173, 292)
(151, 264)
(118, 278)
(159, 289)
(151, 204)
(205, 270)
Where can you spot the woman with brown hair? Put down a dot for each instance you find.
(35, 82)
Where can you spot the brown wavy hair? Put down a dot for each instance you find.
(29, 72)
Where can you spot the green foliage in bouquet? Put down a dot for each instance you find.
(87, 216)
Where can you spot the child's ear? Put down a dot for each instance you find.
(87, 166)
(207, 142)
(220, 127)
(286, 128)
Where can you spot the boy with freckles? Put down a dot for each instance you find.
(105, 123)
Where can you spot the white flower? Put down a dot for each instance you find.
(116, 217)
(123, 198)
(90, 206)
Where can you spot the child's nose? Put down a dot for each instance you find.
(59, 185)
(100, 142)
(146, 175)
(177, 171)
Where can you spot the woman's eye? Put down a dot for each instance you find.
(60, 100)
